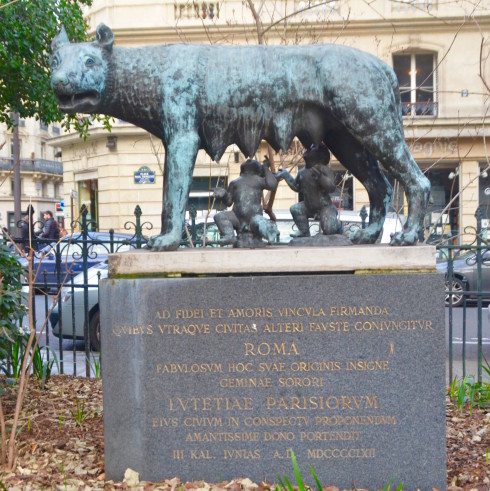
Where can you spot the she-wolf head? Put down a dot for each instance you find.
(79, 71)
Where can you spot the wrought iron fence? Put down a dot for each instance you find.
(467, 273)
(69, 272)
(65, 280)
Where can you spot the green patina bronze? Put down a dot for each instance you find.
(315, 182)
(209, 97)
(246, 218)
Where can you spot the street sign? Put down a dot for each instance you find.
(144, 175)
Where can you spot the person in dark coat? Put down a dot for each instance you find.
(27, 234)
(50, 230)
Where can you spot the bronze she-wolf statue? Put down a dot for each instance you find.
(209, 97)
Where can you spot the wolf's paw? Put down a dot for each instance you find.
(227, 240)
(166, 242)
(405, 238)
(363, 236)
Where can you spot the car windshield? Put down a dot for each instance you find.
(462, 255)
(470, 257)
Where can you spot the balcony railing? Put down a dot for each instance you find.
(316, 8)
(196, 10)
(33, 165)
(413, 5)
(419, 108)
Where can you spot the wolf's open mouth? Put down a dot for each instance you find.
(90, 97)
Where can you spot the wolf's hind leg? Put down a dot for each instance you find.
(356, 159)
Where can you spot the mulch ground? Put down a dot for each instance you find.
(61, 445)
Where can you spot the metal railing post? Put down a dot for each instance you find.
(450, 277)
(193, 214)
(138, 228)
(479, 260)
(86, 330)
(111, 240)
(74, 338)
(465, 312)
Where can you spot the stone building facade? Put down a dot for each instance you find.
(41, 171)
(439, 51)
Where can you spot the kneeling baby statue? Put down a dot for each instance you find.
(246, 217)
(315, 182)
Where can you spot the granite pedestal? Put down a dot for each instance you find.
(218, 374)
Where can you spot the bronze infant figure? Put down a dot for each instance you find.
(315, 182)
(247, 217)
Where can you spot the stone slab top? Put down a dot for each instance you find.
(274, 260)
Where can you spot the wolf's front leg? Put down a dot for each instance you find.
(180, 157)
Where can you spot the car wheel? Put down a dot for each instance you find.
(457, 296)
(94, 327)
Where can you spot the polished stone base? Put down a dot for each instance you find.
(218, 377)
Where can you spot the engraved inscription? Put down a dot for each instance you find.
(274, 373)
(342, 453)
(189, 368)
(315, 403)
(198, 404)
(266, 349)
(242, 454)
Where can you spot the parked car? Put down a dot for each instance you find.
(70, 249)
(465, 268)
(350, 221)
(72, 307)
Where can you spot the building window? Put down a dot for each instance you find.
(21, 187)
(417, 78)
(484, 190)
(44, 189)
(200, 196)
(88, 192)
(12, 147)
(442, 219)
(56, 130)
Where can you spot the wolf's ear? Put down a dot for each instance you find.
(60, 39)
(105, 37)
